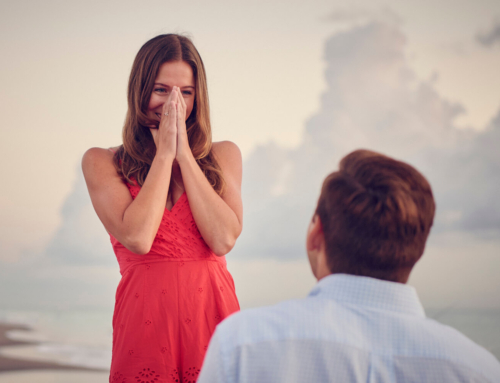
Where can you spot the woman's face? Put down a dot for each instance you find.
(172, 73)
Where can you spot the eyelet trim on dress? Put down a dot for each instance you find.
(118, 378)
(147, 376)
(190, 375)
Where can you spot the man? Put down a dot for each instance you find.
(361, 323)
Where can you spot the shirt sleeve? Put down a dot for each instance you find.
(212, 370)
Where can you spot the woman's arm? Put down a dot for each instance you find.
(219, 219)
(134, 223)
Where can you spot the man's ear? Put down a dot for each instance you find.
(315, 236)
(316, 249)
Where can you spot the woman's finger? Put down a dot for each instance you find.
(170, 96)
(168, 107)
(179, 115)
(164, 110)
(182, 101)
(173, 111)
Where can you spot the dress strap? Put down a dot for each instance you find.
(113, 151)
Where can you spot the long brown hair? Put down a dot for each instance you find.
(133, 159)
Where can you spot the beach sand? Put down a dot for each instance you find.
(5, 341)
(13, 369)
(49, 376)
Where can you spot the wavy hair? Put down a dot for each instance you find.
(133, 159)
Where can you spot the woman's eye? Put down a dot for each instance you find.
(161, 90)
(187, 92)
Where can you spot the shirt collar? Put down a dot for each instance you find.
(369, 292)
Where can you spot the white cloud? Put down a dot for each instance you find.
(374, 101)
(491, 36)
(481, 168)
(81, 238)
(362, 15)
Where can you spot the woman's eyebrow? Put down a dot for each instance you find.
(168, 86)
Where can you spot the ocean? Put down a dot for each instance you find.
(83, 338)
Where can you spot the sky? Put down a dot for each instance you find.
(296, 85)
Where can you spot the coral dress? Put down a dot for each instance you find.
(168, 302)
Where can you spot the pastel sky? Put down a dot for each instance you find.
(296, 85)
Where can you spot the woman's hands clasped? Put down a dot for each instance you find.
(170, 137)
(183, 149)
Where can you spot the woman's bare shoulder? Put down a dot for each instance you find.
(227, 151)
(98, 160)
(229, 158)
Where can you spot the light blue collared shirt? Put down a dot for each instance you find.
(349, 329)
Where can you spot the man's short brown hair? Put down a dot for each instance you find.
(376, 214)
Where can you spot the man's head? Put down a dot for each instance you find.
(373, 218)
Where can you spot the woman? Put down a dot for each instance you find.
(170, 200)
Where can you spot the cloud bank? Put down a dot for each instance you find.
(81, 239)
(490, 37)
(373, 100)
